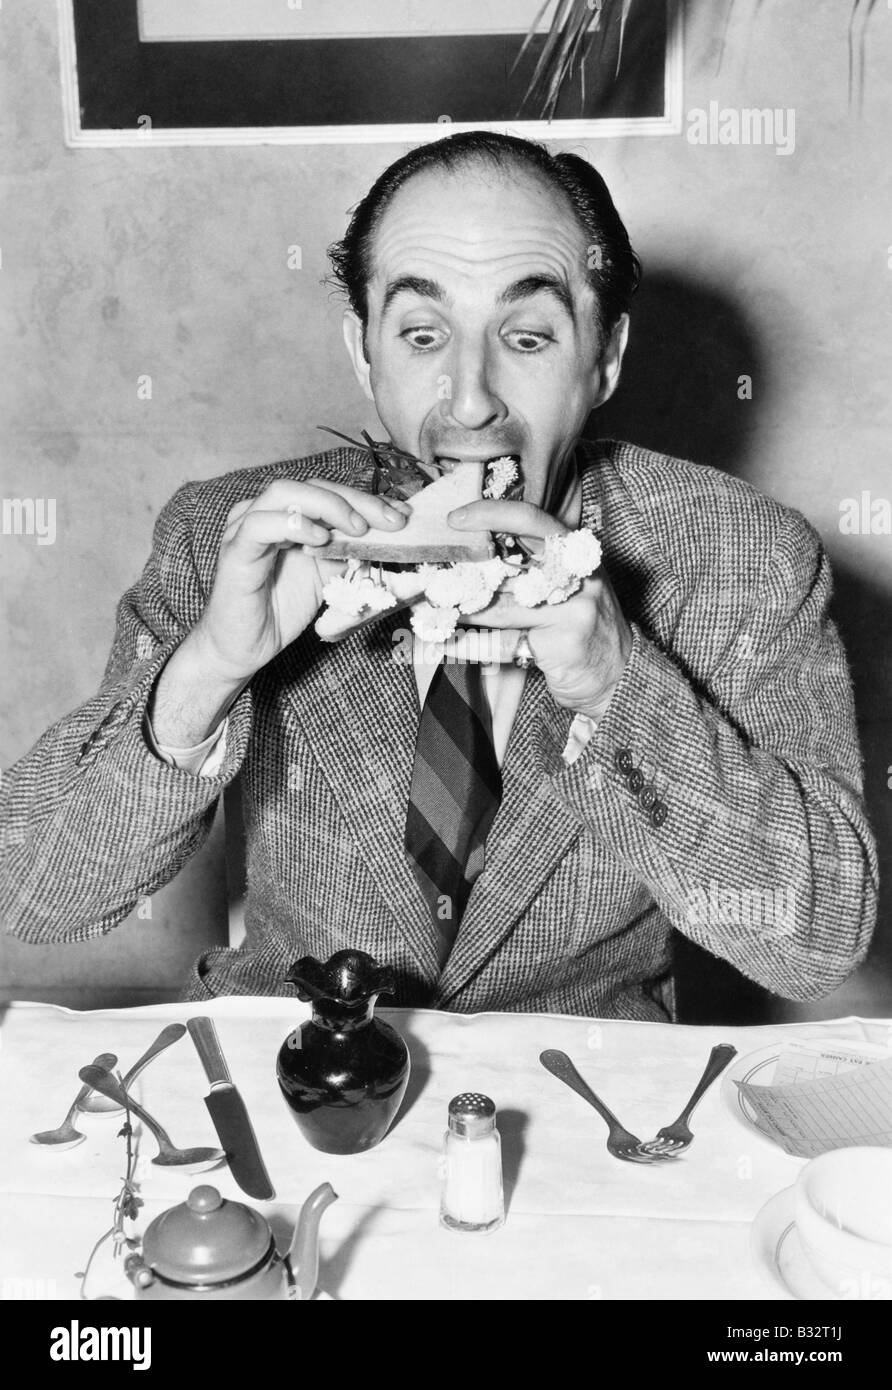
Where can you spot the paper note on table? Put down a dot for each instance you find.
(801, 1061)
(824, 1100)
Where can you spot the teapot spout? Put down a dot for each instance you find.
(304, 1253)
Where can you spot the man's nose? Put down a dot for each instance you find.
(472, 401)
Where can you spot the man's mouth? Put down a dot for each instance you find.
(450, 460)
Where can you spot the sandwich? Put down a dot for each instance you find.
(441, 572)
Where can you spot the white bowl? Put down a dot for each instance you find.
(844, 1221)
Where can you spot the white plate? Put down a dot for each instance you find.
(776, 1248)
(758, 1067)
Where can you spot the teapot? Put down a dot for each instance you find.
(212, 1248)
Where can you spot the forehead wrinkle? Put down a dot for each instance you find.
(479, 243)
(475, 251)
(508, 267)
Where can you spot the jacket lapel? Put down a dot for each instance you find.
(358, 706)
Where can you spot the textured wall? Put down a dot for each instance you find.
(172, 263)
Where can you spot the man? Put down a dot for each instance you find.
(680, 753)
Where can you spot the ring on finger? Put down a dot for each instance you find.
(523, 654)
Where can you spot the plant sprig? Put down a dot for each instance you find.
(384, 452)
(381, 450)
(127, 1203)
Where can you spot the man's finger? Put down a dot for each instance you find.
(503, 612)
(514, 518)
(486, 645)
(314, 503)
(260, 532)
(346, 508)
(377, 511)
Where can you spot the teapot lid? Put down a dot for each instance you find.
(206, 1239)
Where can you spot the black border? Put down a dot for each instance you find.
(223, 84)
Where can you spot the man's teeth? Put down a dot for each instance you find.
(496, 458)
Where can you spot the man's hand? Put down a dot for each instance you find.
(267, 590)
(581, 645)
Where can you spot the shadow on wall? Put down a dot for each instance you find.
(687, 348)
(687, 351)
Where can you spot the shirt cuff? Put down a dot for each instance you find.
(203, 760)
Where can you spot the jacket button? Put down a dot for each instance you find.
(647, 796)
(624, 762)
(658, 814)
(636, 780)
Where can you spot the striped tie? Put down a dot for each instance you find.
(456, 790)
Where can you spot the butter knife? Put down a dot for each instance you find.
(228, 1112)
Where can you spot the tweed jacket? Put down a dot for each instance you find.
(735, 704)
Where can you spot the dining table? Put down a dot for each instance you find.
(580, 1224)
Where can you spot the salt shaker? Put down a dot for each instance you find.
(472, 1166)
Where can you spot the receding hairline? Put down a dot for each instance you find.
(476, 161)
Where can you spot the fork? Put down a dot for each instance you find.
(673, 1140)
(620, 1142)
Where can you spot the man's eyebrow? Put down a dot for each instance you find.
(539, 284)
(413, 284)
(520, 289)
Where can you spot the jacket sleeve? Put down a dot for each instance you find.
(90, 818)
(759, 850)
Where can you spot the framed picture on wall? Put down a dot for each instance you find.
(202, 72)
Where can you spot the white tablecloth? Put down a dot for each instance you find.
(581, 1225)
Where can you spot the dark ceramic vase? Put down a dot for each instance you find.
(344, 1072)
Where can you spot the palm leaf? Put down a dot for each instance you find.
(530, 35)
(575, 33)
(574, 26)
(856, 61)
(551, 59)
(627, 5)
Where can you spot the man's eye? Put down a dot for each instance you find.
(424, 339)
(526, 340)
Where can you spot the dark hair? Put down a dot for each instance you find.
(614, 270)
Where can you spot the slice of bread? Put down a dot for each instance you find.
(427, 536)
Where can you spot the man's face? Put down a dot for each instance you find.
(482, 337)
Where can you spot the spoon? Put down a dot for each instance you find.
(96, 1103)
(66, 1136)
(168, 1155)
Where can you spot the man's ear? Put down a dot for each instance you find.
(612, 360)
(354, 337)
